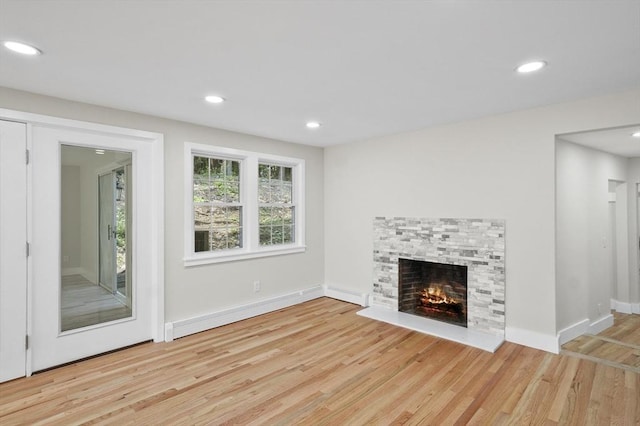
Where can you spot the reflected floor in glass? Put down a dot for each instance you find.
(85, 303)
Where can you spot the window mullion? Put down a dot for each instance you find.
(250, 200)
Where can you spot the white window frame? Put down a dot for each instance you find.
(251, 247)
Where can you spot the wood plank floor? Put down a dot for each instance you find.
(618, 346)
(85, 303)
(319, 363)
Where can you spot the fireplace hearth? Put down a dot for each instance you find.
(434, 290)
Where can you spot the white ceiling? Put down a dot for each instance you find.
(362, 68)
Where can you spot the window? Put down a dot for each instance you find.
(241, 204)
(277, 211)
(217, 209)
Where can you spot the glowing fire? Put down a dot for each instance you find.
(436, 295)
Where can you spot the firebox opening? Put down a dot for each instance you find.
(434, 290)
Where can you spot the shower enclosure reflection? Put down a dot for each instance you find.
(96, 284)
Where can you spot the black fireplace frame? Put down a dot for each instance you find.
(416, 275)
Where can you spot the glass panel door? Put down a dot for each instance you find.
(94, 285)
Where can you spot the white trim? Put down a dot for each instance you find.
(156, 141)
(181, 328)
(601, 324)
(578, 329)
(65, 123)
(29, 367)
(624, 307)
(532, 339)
(241, 254)
(249, 200)
(350, 296)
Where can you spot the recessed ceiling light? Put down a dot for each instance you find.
(100, 151)
(214, 99)
(313, 124)
(531, 66)
(22, 48)
(635, 134)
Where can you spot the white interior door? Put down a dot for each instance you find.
(13, 256)
(107, 231)
(53, 345)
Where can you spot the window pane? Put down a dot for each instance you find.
(265, 235)
(287, 193)
(288, 174)
(288, 215)
(201, 168)
(234, 237)
(264, 191)
(276, 235)
(202, 218)
(232, 191)
(216, 191)
(218, 238)
(234, 216)
(200, 190)
(276, 192)
(235, 169)
(201, 241)
(275, 172)
(216, 167)
(265, 217)
(278, 215)
(288, 234)
(263, 171)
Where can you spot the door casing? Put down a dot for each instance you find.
(155, 145)
(13, 250)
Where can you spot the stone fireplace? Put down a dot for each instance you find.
(475, 245)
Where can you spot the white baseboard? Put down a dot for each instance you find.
(601, 324)
(584, 327)
(578, 329)
(86, 274)
(181, 328)
(77, 270)
(532, 339)
(350, 296)
(624, 307)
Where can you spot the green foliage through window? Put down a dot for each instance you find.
(217, 208)
(276, 210)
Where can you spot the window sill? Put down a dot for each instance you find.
(234, 255)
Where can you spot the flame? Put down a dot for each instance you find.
(436, 295)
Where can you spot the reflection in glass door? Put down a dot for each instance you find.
(95, 203)
(107, 233)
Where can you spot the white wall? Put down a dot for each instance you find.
(496, 167)
(200, 290)
(583, 244)
(70, 200)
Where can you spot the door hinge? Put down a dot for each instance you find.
(28, 249)
(27, 155)
(26, 341)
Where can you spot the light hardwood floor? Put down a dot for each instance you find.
(318, 363)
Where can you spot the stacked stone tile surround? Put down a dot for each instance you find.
(477, 243)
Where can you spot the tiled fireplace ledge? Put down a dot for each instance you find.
(466, 336)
